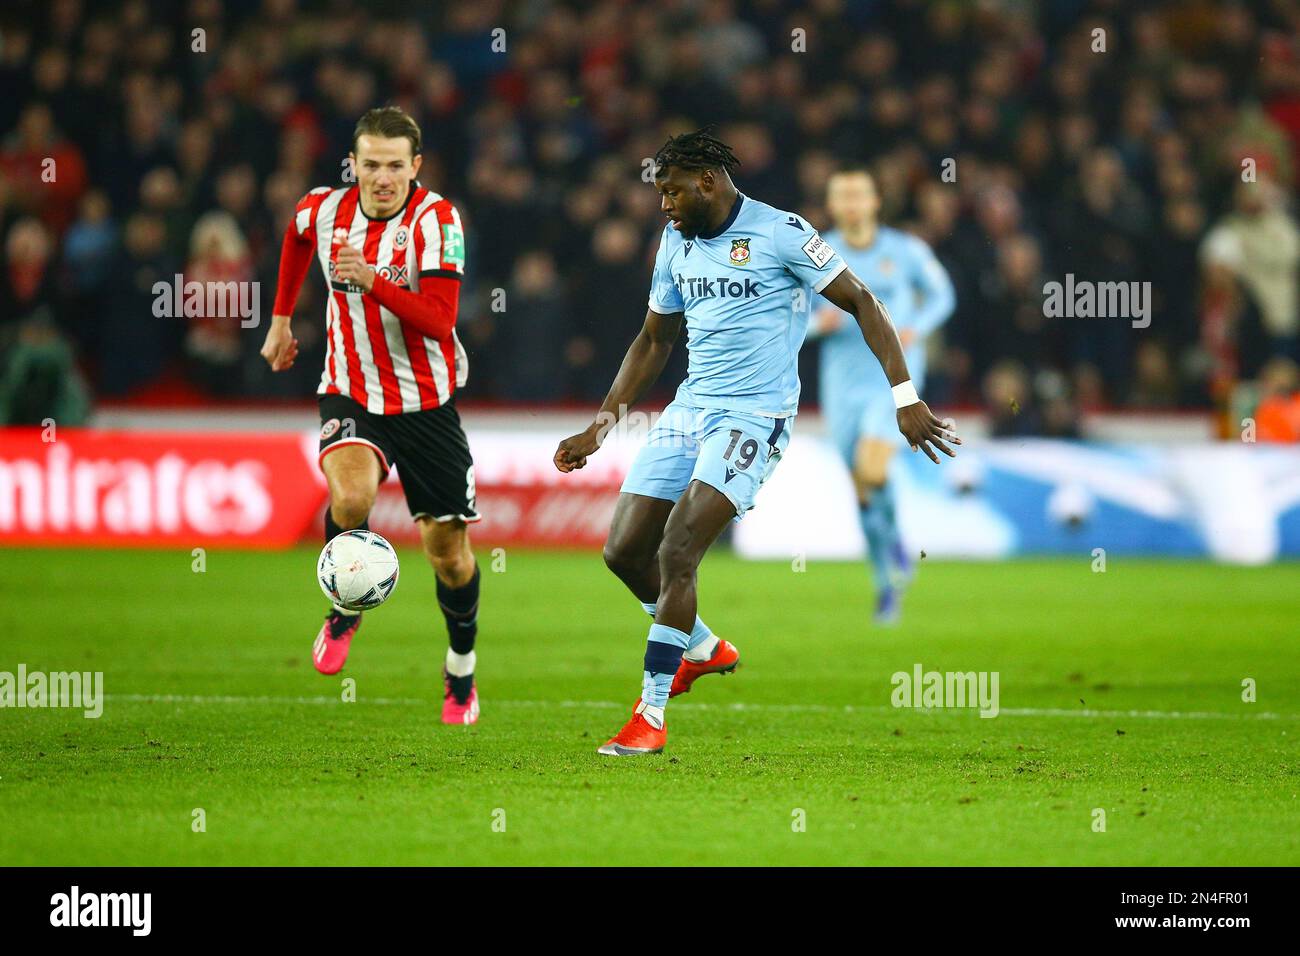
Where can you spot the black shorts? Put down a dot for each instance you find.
(429, 449)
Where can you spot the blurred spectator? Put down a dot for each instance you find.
(1155, 384)
(27, 281)
(39, 379)
(194, 161)
(1015, 325)
(531, 331)
(38, 375)
(47, 173)
(1259, 242)
(1227, 315)
(1009, 403)
(1103, 223)
(605, 323)
(88, 251)
(160, 194)
(1277, 418)
(219, 258)
(1060, 413)
(137, 344)
(1183, 224)
(729, 43)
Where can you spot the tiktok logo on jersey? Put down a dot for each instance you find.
(720, 287)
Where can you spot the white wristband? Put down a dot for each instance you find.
(905, 394)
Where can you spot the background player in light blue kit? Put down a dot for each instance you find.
(855, 395)
(731, 269)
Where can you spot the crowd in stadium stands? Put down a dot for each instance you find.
(1114, 141)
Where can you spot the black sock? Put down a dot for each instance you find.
(340, 622)
(460, 608)
(461, 687)
(332, 530)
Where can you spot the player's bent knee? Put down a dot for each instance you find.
(446, 544)
(624, 560)
(867, 482)
(615, 558)
(351, 505)
(871, 464)
(454, 571)
(871, 478)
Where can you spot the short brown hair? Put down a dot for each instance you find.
(387, 122)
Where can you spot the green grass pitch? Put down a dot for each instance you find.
(1119, 691)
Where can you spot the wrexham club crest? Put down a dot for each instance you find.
(739, 252)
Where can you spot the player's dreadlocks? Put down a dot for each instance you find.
(695, 151)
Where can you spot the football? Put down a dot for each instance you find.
(357, 570)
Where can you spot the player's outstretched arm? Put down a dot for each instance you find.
(915, 421)
(644, 361)
(281, 348)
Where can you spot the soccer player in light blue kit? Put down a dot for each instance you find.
(731, 268)
(855, 396)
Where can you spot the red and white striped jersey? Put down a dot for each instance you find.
(372, 356)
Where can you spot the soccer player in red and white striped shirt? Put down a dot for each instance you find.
(393, 254)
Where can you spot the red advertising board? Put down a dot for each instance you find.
(264, 490)
(118, 488)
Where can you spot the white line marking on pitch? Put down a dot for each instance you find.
(738, 707)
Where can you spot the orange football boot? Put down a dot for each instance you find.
(725, 659)
(638, 736)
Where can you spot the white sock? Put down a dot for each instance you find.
(460, 665)
(702, 651)
(654, 715)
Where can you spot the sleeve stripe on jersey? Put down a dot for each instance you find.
(826, 280)
(441, 273)
(431, 241)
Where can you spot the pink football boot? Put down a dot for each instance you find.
(331, 648)
(458, 706)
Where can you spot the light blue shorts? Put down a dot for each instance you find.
(876, 419)
(732, 452)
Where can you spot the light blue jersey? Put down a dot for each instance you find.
(743, 289)
(905, 275)
(738, 287)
